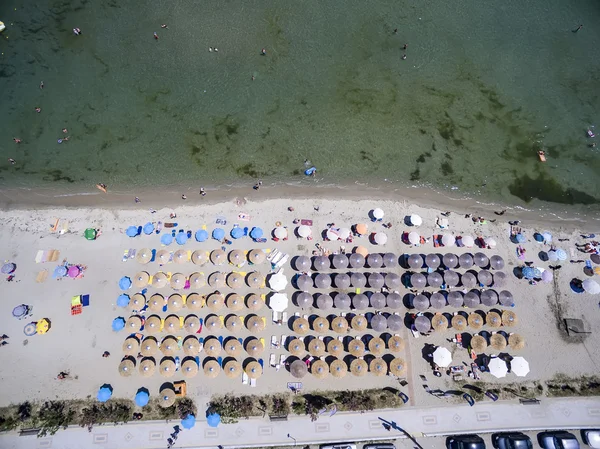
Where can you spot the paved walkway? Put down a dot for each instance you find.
(447, 419)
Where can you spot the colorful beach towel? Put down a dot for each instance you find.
(50, 255)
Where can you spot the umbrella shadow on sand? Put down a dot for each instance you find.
(427, 353)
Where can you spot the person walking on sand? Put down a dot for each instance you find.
(106, 354)
(405, 47)
(155, 36)
(164, 26)
(41, 84)
(38, 110)
(183, 197)
(202, 191)
(578, 28)
(12, 161)
(263, 52)
(16, 140)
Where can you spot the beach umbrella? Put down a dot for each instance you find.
(134, 323)
(236, 257)
(552, 256)
(197, 280)
(254, 302)
(380, 238)
(435, 279)
(396, 344)
(398, 367)
(148, 228)
(415, 261)
(191, 346)
(339, 325)
(489, 298)
(125, 283)
(253, 370)
(236, 232)
(181, 238)
(235, 280)
(332, 234)
(478, 343)
(595, 258)
(321, 263)
(358, 367)
(442, 357)
(279, 302)
(485, 277)
(490, 242)
(59, 272)
(361, 228)
(455, 299)
(451, 278)
(257, 256)
(497, 262)
(392, 280)
(169, 345)
(448, 240)
(235, 302)
(304, 282)
(450, 260)
(131, 346)
(475, 320)
(499, 279)
(378, 323)
(118, 324)
(215, 302)
(163, 256)
(75, 271)
(212, 369)
(201, 235)
(422, 324)
(194, 301)
(394, 300)
(132, 231)
(481, 260)
(467, 241)
(395, 323)
(233, 369)
(233, 324)
(166, 239)
(498, 342)
(144, 255)
(213, 323)
(343, 233)
(509, 318)
(516, 341)
(374, 260)
(199, 257)
(304, 300)
(212, 347)
(256, 324)
(189, 421)
(432, 261)
(335, 347)
(418, 280)
(153, 324)
(316, 347)
(304, 231)
(377, 213)
(298, 369)
(497, 367)
(519, 366)
(278, 281)
(338, 368)
(20, 311)
(358, 280)
(420, 302)
(126, 367)
(340, 261)
(256, 233)
(233, 347)
(416, 220)
(493, 319)
(189, 368)
(356, 347)
(302, 263)
(178, 281)
(342, 281)
(167, 398)
(465, 261)
(547, 276)
(147, 367)
(356, 260)
(180, 256)
(319, 369)
(216, 279)
(437, 300)
(254, 347)
(324, 302)
(506, 298)
(468, 280)
(320, 325)
(218, 234)
(377, 300)
(414, 238)
(359, 322)
(520, 238)
(104, 393)
(322, 281)
(378, 367)
(591, 286)
(217, 257)
(439, 322)
(360, 301)
(175, 302)
(296, 347)
(390, 260)
(140, 280)
(459, 322)
(192, 324)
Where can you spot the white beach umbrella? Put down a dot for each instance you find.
(344, 233)
(442, 357)
(497, 367)
(332, 235)
(416, 220)
(414, 237)
(278, 281)
(489, 241)
(467, 240)
(304, 231)
(591, 286)
(380, 238)
(280, 232)
(448, 240)
(519, 366)
(278, 302)
(378, 213)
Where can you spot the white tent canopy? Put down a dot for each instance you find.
(279, 302)
(278, 281)
(442, 357)
(498, 367)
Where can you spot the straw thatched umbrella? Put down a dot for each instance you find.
(212, 369)
(156, 302)
(358, 280)
(257, 256)
(255, 280)
(377, 300)
(339, 325)
(167, 398)
(471, 299)
(376, 346)
(378, 322)
(439, 322)
(516, 341)
(212, 347)
(254, 302)
(320, 325)
(175, 302)
(300, 326)
(148, 347)
(335, 347)
(360, 301)
(475, 320)
(163, 256)
(147, 367)
(509, 318)
(498, 342)
(298, 369)
(178, 281)
(235, 302)
(134, 323)
(144, 255)
(340, 261)
(189, 368)
(324, 302)
(191, 346)
(316, 347)
(459, 322)
(506, 298)
(233, 369)
(319, 369)
(468, 280)
(233, 347)
(131, 346)
(378, 367)
(215, 302)
(254, 347)
(235, 280)
(395, 322)
(195, 302)
(159, 280)
(493, 319)
(126, 367)
(254, 370)
(338, 368)
(167, 367)
(398, 367)
(342, 281)
(197, 280)
(396, 343)
(217, 257)
(304, 299)
(356, 347)
(296, 347)
(169, 345)
(233, 324)
(478, 343)
(153, 324)
(455, 299)
(213, 323)
(420, 302)
(216, 279)
(256, 324)
(236, 257)
(489, 298)
(180, 256)
(422, 324)
(359, 367)
(359, 322)
(171, 324)
(137, 302)
(437, 300)
(199, 257)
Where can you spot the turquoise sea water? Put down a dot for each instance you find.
(485, 84)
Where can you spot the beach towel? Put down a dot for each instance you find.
(41, 276)
(306, 222)
(50, 255)
(244, 217)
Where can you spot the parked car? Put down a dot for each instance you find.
(379, 446)
(465, 442)
(558, 439)
(339, 446)
(511, 440)
(591, 437)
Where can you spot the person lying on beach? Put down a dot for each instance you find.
(16, 140)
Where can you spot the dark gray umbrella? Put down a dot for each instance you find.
(489, 298)
(435, 279)
(469, 280)
(421, 302)
(415, 261)
(322, 281)
(496, 262)
(506, 298)
(302, 263)
(342, 301)
(374, 260)
(481, 260)
(394, 301)
(499, 279)
(324, 302)
(422, 324)
(395, 322)
(298, 369)
(340, 261)
(451, 278)
(392, 280)
(360, 301)
(356, 260)
(437, 301)
(418, 280)
(377, 300)
(471, 299)
(304, 300)
(358, 280)
(378, 323)
(465, 260)
(455, 299)
(432, 261)
(450, 260)
(342, 280)
(375, 280)
(321, 263)
(390, 260)
(304, 282)
(485, 277)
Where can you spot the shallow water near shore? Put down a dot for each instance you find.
(484, 86)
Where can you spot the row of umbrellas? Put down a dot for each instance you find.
(471, 299)
(344, 281)
(341, 324)
(450, 260)
(194, 301)
(497, 367)
(201, 257)
(339, 368)
(414, 238)
(451, 278)
(460, 321)
(212, 346)
(336, 347)
(497, 341)
(342, 261)
(179, 281)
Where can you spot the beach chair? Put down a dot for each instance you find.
(245, 379)
(283, 340)
(276, 317)
(272, 255)
(282, 261)
(284, 317)
(274, 342)
(253, 383)
(282, 359)
(272, 360)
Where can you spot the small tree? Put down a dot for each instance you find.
(54, 415)
(185, 407)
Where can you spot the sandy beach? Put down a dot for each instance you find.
(75, 344)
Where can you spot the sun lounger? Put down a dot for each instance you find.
(272, 255)
(282, 261)
(283, 339)
(282, 359)
(253, 383)
(274, 342)
(275, 317)
(245, 379)
(284, 317)
(272, 360)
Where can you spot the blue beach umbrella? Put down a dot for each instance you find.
(166, 239)
(20, 311)
(104, 393)
(256, 233)
(188, 422)
(8, 268)
(561, 254)
(125, 283)
(181, 238)
(118, 324)
(132, 231)
(213, 420)
(201, 235)
(237, 232)
(142, 397)
(528, 273)
(148, 228)
(538, 237)
(537, 273)
(218, 234)
(520, 238)
(123, 300)
(59, 272)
